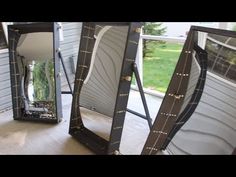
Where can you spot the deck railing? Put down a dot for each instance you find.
(139, 59)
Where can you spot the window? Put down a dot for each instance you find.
(3, 42)
(222, 55)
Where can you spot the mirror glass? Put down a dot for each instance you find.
(36, 66)
(99, 91)
(206, 122)
(211, 128)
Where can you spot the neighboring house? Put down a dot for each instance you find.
(69, 48)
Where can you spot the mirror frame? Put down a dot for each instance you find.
(77, 128)
(14, 33)
(2, 32)
(158, 139)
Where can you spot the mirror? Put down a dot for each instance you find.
(107, 51)
(99, 91)
(37, 79)
(205, 118)
(34, 71)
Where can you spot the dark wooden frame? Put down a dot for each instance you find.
(14, 33)
(77, 128)
(159, 138)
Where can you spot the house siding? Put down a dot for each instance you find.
(211, 129)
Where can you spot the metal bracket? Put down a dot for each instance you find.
(127, 78)
(147, 117)
(65, 71)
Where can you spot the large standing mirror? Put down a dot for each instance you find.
(99, 90)
(102, 83)
(198, 113)
(35, 79)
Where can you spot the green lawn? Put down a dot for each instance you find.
(159, 65)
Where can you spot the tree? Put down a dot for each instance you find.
(151, 28)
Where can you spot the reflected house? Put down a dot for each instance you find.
(222, 56)
(34, 67)
(31, 83)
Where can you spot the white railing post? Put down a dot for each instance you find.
(223, 25)
(139, 58)
(165, 38)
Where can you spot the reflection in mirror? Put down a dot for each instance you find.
(194, 90)
(102, 83)
(35, 61)
(205, 123)
(211, 127)
(222, 56)
(99, 91)
(33, 68)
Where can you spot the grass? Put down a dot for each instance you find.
(159, 64)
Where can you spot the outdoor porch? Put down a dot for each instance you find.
(22, 137)
(202, 134)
